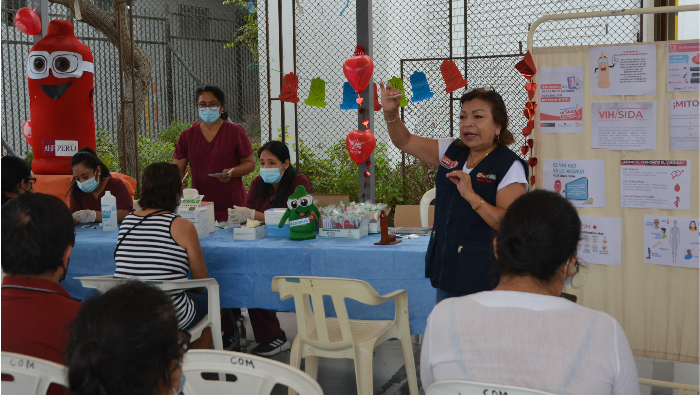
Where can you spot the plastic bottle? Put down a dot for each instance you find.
(109, 212)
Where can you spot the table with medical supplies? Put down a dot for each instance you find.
(244, 269)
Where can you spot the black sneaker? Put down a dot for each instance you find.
(273, 347)
(229, 340)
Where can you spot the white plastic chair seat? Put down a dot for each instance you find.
(31, 375)
(451, 387)
(362, 331)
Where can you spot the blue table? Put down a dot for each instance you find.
(244, 269)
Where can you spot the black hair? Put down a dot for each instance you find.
(284, 189)
(14, 171)
(161, 186)
(88, 158)
(217, 92)
(123, 342)
(498, 110)
(539, 232)
(36, 230)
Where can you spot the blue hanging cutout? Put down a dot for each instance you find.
(420, 87)
(344, 8)
(349, 97)
(251, 6)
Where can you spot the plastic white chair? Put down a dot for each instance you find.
(212, 319)
(254, 375)
(31, 375)
(424, 205)
(342, 337)
(452, 387)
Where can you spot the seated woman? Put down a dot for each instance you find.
(92, 179)
(522, 333)
(271, 189)
(107, 355)
(16, 177)
(154, 243)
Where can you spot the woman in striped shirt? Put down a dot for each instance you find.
(157, 244)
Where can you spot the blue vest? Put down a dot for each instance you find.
(460, 254)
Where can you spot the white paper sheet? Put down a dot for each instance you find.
(624, 125)
(561, 99)
(683, 67)
(580, 181)
(601, 240)
(684, 124)
(671, 241)
(663, 184)
(623, 70)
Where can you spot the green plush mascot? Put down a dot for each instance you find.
(302, 214)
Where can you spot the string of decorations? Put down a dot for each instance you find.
(527, 69)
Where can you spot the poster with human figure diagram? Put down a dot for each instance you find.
(671, 241)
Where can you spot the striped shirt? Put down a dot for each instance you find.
(149, 252)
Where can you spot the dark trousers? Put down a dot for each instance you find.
(265, 324)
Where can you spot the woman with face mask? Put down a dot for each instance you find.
(277, 180)
(16, 177)
(90, 181)
(218, 147)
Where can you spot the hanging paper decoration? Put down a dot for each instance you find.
(398, 84)
(27, 21)
(452, 76)
(250, 7)
(360, 145)
(290, 86)
(377, 105)
(27, 131)
(349, 102)
(420, 87)
(317, 93)
(527, 69)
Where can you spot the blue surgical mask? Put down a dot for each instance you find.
(271, 175)
(566, 269)
(89, 185)
(183, 380)
(208, 115)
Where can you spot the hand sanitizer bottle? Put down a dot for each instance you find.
(109, 212)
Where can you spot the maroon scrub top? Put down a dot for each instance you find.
(225, 151)
(261, 203)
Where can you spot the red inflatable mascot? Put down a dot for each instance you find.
(61, 90)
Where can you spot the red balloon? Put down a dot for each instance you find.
(27, 130)
(360, 145)
(27, 21)
(358, 69)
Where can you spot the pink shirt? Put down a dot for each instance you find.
(262, 203)
(224, 152)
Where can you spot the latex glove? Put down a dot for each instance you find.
(239, 214)
(83, 216)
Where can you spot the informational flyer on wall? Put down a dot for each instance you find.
(601, 240)
(623, 70)
(683, 67)
(580, 181)
(684, 124)
(561, 99)
(663, 184)
(671, 241)
(624, 126)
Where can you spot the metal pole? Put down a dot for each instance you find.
(41, 7)
(364, 38)
(281, 55)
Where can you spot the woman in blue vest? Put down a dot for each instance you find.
(478, 177)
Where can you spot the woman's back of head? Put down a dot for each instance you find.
(538, 233)
(161, 186)
(123, 342)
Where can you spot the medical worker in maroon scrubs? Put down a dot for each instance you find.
(215, 146)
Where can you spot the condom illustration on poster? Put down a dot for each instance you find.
(623, 70)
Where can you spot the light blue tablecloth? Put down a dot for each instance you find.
(244, 269)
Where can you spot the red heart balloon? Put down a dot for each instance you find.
(27, 131)
(530, 142)
(526, 131)
(358, 70)
(27, 21)
(360, 145)
(532, 162)
(524, 149)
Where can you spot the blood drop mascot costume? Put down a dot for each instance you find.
(61, 90)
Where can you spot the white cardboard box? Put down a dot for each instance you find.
(200, 218)
(245, 233)
(273, 216)
(356, 233)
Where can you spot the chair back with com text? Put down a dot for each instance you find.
(425, 201)
(212, 319)
(452, 387)
(27, 375)
(253, 375)
(342, 337)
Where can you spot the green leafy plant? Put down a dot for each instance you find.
(248, 33)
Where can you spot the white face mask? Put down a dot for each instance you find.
(566, 269)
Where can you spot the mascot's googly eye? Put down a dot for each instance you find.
(292, 204)
(305, 201)
(39, 64)
(62, 64)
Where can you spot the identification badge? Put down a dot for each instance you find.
(299, 222)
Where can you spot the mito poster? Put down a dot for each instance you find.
(663, 184)
(623, 70)
(683, 67)
(580, 181)
(684, 124)
(561, 99)
(671, 241)
(624, 125)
